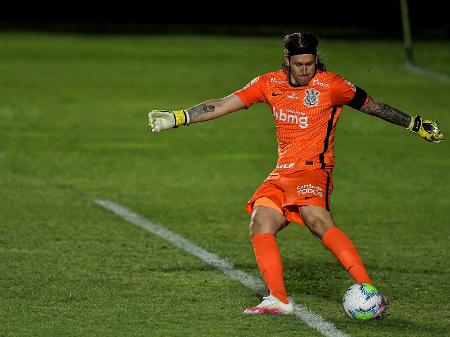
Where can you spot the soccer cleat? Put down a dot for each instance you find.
(381, 310)
(271, 306)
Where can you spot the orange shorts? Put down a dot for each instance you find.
(288, 192)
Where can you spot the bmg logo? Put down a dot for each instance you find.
(293, 117)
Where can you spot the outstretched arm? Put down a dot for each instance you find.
(386, 112)
(427, 129)
(214, 108)
(164, 119)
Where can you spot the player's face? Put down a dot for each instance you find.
(303, 68)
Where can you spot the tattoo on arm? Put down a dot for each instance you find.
(200, 110)
(386, 112)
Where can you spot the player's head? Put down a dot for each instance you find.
(301, 58)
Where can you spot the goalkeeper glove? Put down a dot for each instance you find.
(427, 129)
(164, 119)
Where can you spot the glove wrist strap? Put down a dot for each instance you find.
(180, 117)
(415, 124)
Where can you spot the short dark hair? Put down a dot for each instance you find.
(295, 43)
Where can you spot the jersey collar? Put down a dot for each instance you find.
(296, 85)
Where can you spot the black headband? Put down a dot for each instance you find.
(302, 50)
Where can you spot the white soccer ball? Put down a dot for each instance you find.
(362, 301)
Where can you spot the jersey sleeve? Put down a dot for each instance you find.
(253, 92)
(344, 92)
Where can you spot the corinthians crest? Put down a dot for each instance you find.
(311, 97)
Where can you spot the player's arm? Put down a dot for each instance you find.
(214, 108)
(427, 129)
(164, 119)
(386, 112)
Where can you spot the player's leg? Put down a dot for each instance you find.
(317, 219)
(267, 219)
(320, 223)
(265, 223)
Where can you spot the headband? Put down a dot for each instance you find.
(301, 50)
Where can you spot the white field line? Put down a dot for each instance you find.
(427, 73)
(312, 319)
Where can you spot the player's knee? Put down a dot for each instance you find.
(264, 221)
(258, 223)
(255, 227)
(318, 223)
(318, 229)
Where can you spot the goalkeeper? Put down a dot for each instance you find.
(305, 100)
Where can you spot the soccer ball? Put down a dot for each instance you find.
(363, 301)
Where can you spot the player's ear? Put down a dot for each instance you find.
(286, 61)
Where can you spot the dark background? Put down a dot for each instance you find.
(357, 19)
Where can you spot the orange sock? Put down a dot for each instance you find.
(269, 263)
(344, 250)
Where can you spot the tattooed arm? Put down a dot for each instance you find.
(386, 112)
(427, 129)
(160, 120)
(214, 108)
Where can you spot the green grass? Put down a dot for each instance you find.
(73, 128)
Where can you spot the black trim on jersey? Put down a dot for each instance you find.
(327, 206)
(358, 100)
(327, 138)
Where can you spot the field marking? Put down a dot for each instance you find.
(312, 319)
(427, 73)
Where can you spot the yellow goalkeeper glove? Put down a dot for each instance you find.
(427, 129)
(160, 120)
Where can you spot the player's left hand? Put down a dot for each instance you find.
(427, 129)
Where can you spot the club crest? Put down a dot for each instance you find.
(311, 97)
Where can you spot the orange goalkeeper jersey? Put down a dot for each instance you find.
(305, 116)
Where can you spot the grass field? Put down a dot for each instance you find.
(73, 128)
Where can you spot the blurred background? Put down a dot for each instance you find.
(349, 19)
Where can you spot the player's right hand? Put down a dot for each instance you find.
(164, 119)
(427, 129)
(161, 120)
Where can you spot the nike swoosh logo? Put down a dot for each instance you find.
(275, 94)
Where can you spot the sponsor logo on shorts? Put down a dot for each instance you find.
(309, 189)
(291, 116)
